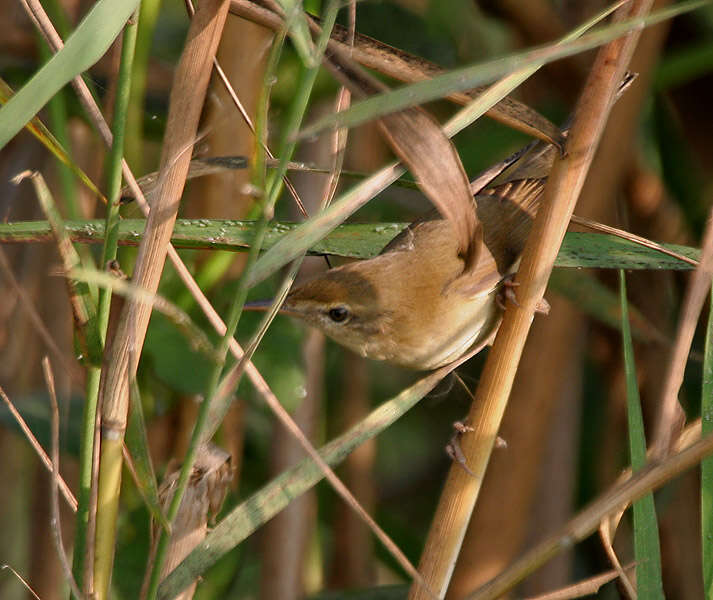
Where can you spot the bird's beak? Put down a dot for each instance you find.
(264, 305)
(258, 305)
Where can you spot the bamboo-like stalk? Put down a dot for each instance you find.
(461, 489)
(186, 101)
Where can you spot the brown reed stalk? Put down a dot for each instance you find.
(561, 192)
(186, 102)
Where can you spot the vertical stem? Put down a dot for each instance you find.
(560, 195)
(83, 548)
(185, 104)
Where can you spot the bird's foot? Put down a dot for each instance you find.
(453, 448)
(507, 293)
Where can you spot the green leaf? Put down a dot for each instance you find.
(647, 552)
(299, 31)
(707, 463)
(362, 240)
(85, 46)
(137, 443)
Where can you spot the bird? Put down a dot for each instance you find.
(413, 305)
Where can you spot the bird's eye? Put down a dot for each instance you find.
(338, 314)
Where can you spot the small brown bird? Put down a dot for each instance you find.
(409, 305)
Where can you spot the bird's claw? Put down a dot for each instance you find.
(542, 307)
(453, 448)
(507, 292)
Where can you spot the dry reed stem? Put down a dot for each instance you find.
(39, 17)
(24, 583)
(186, 101)
(607, 533)
(560, 195)
(544, 384)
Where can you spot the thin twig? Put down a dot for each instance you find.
(37, 447)
(606, 532)
(586, 587)
(56, 524)
(16, 574)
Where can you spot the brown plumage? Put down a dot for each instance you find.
(412, 305)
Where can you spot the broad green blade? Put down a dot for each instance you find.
(579, 250)
(89, 41)
(649, 584)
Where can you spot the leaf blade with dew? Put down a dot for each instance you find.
(474, 75)
(352, 240)
(647, 551)
(85, 46)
